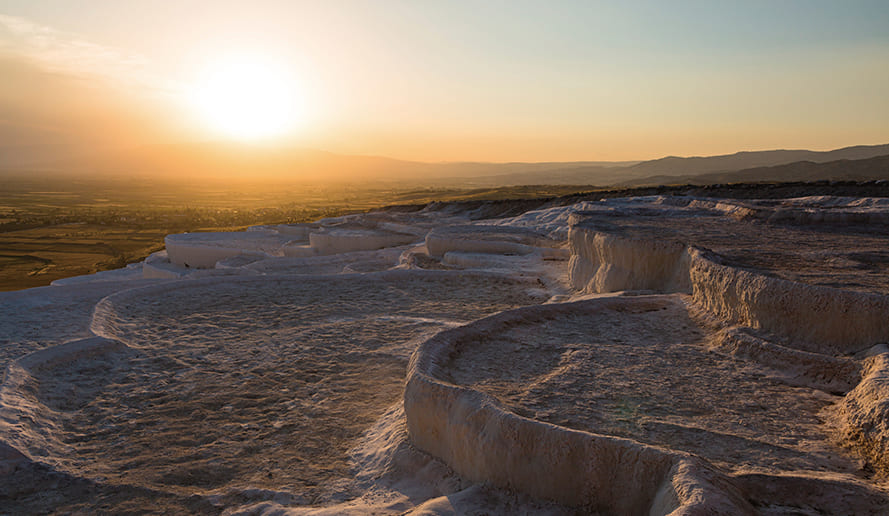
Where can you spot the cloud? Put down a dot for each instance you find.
(60, 92)
(65, 53)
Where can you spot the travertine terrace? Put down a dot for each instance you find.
(641, 355)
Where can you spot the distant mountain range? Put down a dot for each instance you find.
(839, 170)
(243, 161)
(674, 170)
(207, 161)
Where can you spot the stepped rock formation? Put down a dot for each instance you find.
(648, 355)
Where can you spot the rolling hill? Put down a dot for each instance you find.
(240, 162)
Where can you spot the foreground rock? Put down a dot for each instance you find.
(582, 402)
(743, 370)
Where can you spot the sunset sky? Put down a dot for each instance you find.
(449, 80)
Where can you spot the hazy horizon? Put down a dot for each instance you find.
(448, 82)
(67, 154)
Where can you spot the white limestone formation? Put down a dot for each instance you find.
(32, 401)
(474, 434)
(336, 240)
(131, 271)
(819, 326)
(814, 370)
(862, 417)
(602, 262)
(814, 318)
(486, 239)
(159, 266)
(203, 250)
(305, 318)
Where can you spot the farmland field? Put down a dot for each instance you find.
(58, 226)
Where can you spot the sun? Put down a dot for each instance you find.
(246, 98)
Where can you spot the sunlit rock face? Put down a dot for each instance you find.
(486, 239)
(646, 355)
(203, 250)
(781, 278)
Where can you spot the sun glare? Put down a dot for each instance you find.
(246, 98)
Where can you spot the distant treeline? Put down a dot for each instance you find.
(183, 219)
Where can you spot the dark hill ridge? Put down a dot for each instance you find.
(226, 162)
(672, 169)
(876, 168)
(743, 160)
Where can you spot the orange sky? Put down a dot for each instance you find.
(454, 81)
